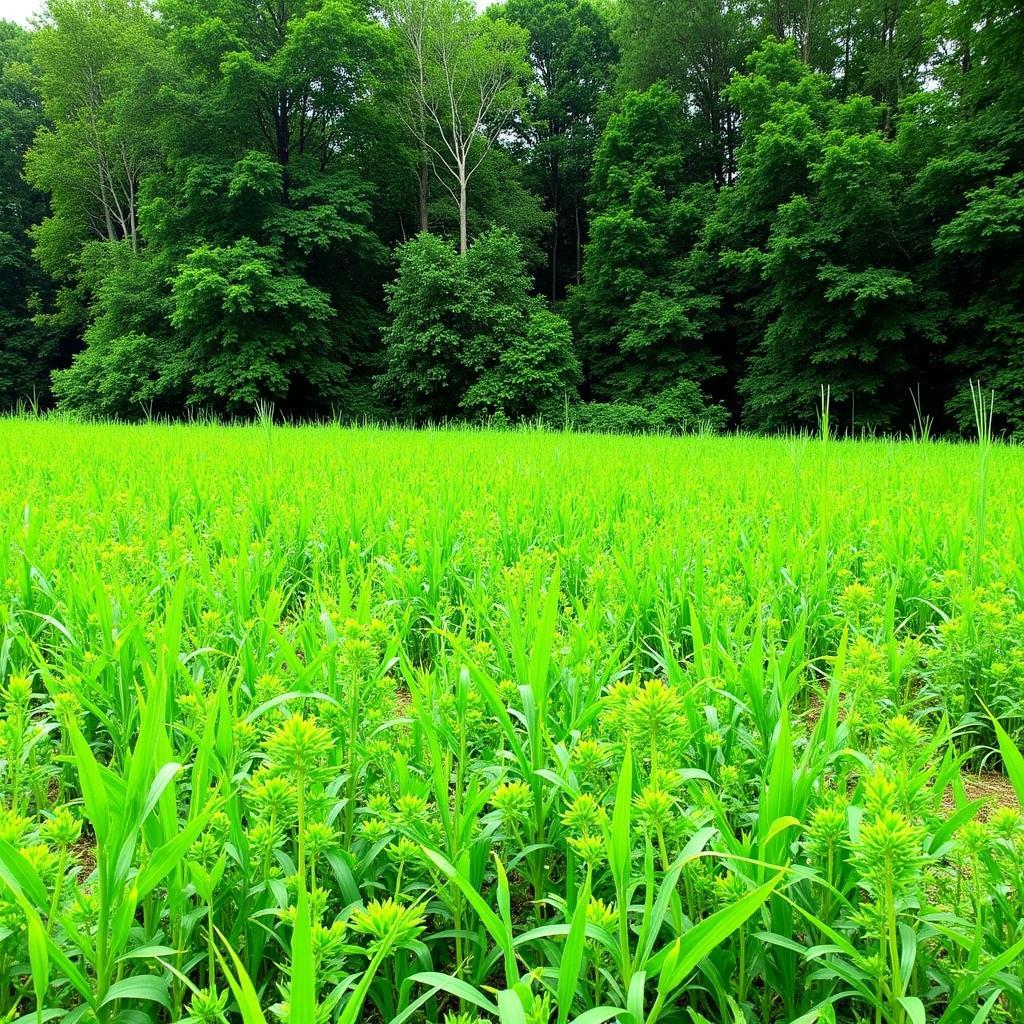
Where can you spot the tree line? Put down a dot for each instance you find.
(635, 213)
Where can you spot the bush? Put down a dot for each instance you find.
(431, 316)
(127, 367)
(466, 338)
(679, 409)
(537, 368)
(118, 378)
(683, 408)
(611, 418)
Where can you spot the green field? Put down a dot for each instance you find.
(341, 725)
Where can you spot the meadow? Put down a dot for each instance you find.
(330, 725)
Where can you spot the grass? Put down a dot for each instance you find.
(319, 724)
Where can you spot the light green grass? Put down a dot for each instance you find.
(454, 700)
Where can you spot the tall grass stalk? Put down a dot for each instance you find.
(984, 408)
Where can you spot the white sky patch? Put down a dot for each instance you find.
(19, 10)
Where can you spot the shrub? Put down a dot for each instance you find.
(683, 408)
(118, 378)
(533, 374)
(466, 337)
(611, 418)
(679, 409)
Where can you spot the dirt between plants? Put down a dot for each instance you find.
(994, 787)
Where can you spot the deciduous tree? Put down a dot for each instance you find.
(465, 85)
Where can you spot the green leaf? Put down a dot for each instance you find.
(540, 656)
(145, 952)
(780, 825)
(456, 987)
(1012, 759)
(914, 1008)
(163, 859)
(510, 1008)
(619, 840)
(494, 925)
(55, 953)
(39, 961)
(149, 987)
(973, 983)
(20, 876)
(159, 784)
(693, 946)
(354, 1005)
(302, 999)
(90, 781)
(598, 1015)
(505, 906)
(241, 986)
(572, 954)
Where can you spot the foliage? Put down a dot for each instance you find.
(682, 408)
(465, 87)
(819, 251)
(28, 346)
(465, 335)
(573, 59)
(694, 49)
(100, 67)
(256, 226)
(124, 371)
(966, 148)
(757, 200)
(640, 308)
(536, 371)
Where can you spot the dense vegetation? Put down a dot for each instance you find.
(330, 725)
(673, 213)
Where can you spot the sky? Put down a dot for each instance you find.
(19, 10)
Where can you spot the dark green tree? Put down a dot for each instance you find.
(274, 296)
(573, 59)
(125, 369)
(29, 344)
(694, 49)
(260, 216)
(964, 144)
(811, 235)
(648, 302)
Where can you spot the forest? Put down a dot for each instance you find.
(627, 214)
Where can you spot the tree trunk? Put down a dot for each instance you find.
(463, 232)
(778, 19)
(282, 135)
(108, 217)
(554, 230)
(133, 223)
(579, 244)
(846, 61)
(424, 194)
(281, 139)
(965, 59)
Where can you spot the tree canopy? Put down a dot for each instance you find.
(642, 214)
